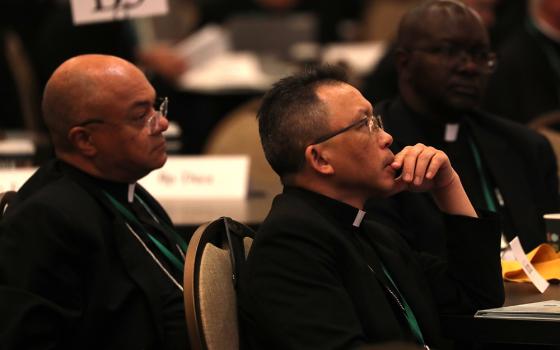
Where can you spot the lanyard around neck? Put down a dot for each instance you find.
(491, 205)
(180, 240)
(177, 264)
(392, 290)
(403, 305)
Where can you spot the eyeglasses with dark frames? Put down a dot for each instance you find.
(150, 122)
(483, 58)
(373, 123)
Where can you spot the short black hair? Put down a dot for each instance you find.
(291, 116)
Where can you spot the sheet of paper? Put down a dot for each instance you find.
(542, 310)
(203, 45)
(227, 72)
(360, 57)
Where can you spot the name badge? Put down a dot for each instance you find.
(91, 11)
(200, 177)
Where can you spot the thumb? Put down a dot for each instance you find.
(399, 186)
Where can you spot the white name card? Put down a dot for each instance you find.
(17, 147)
(200, 177)
(532, 273)
(91, 11)
(12, 179)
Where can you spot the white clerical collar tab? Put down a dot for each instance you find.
(131, 188)
(359, 217)
(451, 132)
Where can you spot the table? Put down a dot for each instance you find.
(486, 330)
(187, 215)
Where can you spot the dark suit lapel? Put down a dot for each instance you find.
(419, 303)
(505, 170)
(400, 268)
(138, 264)
(136, 261)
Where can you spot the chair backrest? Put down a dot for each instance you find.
(214, 261)
(5, 198)
(238, 133)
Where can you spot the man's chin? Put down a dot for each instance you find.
(387, 189)
(463, 104)
(161, 162)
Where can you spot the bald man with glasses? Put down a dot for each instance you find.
(88, 258)
(321, 274)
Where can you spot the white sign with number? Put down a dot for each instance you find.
(91, 11)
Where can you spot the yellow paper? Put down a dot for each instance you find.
(545, 260)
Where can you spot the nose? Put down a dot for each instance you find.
(467, 62)
(385, 139)
(162, 124)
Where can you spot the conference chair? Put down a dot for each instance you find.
(238, 133)
(5, 198)
(214, 262)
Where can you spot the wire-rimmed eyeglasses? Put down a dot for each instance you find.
(373, 122)
(150, 122)
(153, 121)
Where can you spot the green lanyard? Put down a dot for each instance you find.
(180, 240)
(485, 186)
(399, 299)
(178, 264)
(409, 315)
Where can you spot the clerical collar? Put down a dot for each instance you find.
(359, 217)
(121, 191)
(451, 132)
(345, 214)
(434, 130)
(130, 195)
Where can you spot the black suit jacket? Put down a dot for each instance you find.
(71, 274)
(520, 162)
(307, 284)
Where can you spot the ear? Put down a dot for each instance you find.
(81, 139)
(317, 159)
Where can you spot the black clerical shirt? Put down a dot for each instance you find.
(174, 323)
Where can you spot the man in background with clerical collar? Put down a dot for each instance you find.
(88, 259)
(443, 60)
(321, 274)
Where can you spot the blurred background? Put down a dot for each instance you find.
(213, 58)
